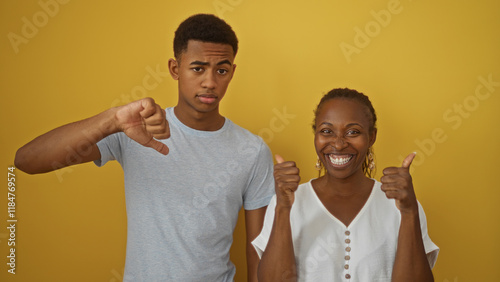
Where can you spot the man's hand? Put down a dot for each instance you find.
(286, 179)
(144, 121)
(397, 184)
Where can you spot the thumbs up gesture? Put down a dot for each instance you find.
(286, 180)
(397, 184)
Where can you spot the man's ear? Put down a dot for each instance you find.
(173, 68)
(234, 69)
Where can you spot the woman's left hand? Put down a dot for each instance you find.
(397, 184)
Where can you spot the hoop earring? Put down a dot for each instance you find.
(371, 160)
(318, 165)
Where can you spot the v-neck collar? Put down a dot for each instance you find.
(338, 221)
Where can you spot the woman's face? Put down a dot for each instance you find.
(343, 137)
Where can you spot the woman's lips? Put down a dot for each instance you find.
(339, 160)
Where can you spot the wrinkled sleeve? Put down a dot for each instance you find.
(260, 242)
(110, 148)
(431, 249)
(260, 188)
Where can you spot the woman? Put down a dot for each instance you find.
(344, 225)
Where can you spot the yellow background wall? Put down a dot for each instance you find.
(425, 65)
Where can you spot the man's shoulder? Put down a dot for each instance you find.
(244, 133)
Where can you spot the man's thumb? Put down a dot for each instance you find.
(158, 146)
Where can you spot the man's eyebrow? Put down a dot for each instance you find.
(199, 63)
(224, 62)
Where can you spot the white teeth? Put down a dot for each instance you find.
(339, 160)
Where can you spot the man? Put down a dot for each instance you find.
(188, 170)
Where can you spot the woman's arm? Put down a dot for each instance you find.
(411, 262)
(278, 260)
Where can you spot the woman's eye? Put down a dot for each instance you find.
(325, 131)
(352, 132)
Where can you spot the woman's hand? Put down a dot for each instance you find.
(397, 184)
(286, 179)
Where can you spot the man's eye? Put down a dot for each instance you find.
(222, 71)
(197, 69)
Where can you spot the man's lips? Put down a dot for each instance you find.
(207, 98)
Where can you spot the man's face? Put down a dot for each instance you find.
(204, 71)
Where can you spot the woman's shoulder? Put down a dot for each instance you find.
(379, 202)
(305, 196)
(305, 189)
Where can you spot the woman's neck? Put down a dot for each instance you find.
(354, 185)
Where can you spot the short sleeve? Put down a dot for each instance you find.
(431, 249)
(110, 149)
(260, 188)
(260, 242)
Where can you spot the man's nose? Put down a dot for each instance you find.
(209, 81)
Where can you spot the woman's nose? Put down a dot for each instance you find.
(339, 143)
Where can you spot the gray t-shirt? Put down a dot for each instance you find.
(182, 208)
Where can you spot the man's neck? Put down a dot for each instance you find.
(209, 121)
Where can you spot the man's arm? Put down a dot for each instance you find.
(254, 219)
(76, 142)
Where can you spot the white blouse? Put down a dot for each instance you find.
(327, 250)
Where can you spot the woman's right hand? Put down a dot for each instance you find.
(286, 180)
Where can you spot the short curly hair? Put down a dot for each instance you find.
(205, 28)
(350, 94)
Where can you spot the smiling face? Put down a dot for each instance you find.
(203, 71)
(342, 137)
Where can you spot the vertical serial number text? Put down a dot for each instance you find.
(11, 219)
